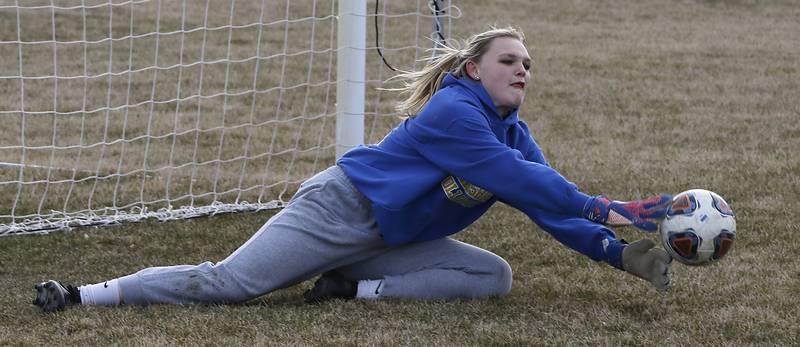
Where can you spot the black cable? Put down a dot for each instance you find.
(436, 12)
(377, 40)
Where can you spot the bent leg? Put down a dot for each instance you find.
(443, 269)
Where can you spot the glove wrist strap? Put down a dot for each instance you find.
(614, 249)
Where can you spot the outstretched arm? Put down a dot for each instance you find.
(640, 213)
(591, 239)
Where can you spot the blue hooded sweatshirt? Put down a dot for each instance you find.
(437, 172)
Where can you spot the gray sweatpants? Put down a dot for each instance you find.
(327, 225)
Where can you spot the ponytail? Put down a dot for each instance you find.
(421, 85)
(424, 83)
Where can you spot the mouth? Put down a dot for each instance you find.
(519, 85)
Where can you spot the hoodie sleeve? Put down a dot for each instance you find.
(582, 235)
(589, 238)
(453, 132)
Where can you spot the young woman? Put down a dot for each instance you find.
(376, 224)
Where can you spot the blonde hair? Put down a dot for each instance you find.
(421, 85)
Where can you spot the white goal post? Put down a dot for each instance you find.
(123, 110)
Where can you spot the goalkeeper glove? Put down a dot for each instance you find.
(644, 261)
(639, 213)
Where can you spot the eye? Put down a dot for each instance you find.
(527, 66)
(506, 61)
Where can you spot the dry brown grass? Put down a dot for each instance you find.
(629, 98)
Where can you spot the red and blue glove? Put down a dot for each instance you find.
(639, 213)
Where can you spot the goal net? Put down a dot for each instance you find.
(117, 111)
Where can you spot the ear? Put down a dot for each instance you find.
(472, 70)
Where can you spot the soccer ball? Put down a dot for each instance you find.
(699, 227)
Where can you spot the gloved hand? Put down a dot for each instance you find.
(644, 261)
(639, 213)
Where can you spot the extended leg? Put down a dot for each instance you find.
(327, 224)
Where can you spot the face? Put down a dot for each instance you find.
(504, 71)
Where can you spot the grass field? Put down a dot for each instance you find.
(628, 98)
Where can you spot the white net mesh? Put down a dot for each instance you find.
(122, 110)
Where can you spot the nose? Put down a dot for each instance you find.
(521, 70)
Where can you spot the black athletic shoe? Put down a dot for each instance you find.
(51, 296)
(331, 285)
